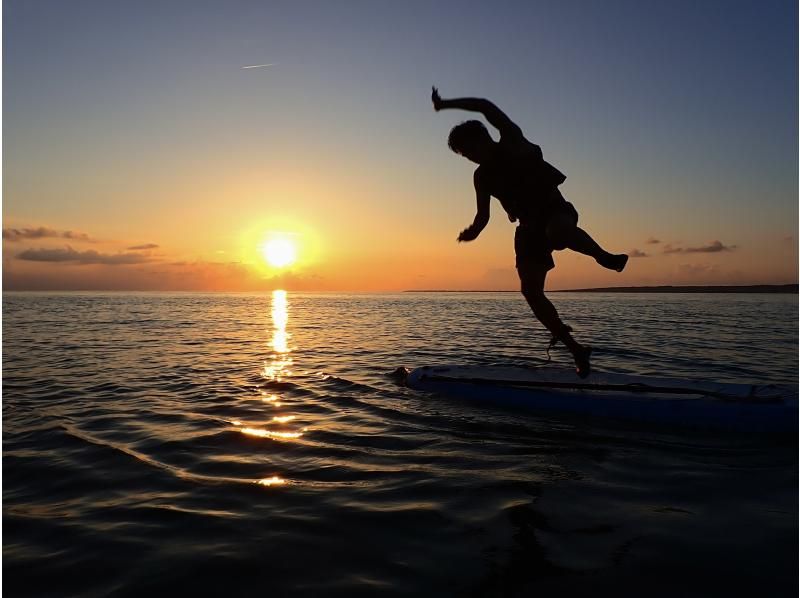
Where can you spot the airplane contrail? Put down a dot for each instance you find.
(258, 66)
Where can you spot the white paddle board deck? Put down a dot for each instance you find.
(716, 405)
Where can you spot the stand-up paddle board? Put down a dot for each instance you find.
(715, 405)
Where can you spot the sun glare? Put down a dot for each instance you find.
(279, 252)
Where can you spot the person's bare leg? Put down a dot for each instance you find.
(563, 234)
(532, 287)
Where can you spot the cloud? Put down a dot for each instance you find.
(154, 275)
(142, 247)
(22, 234)
(91, 256)
(637, 253)
(713, 247)
(652, 241)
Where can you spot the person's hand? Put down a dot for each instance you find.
(468, 234)
(437, 101)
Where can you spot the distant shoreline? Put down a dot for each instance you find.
(756, 288)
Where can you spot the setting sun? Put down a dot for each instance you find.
(279, 252)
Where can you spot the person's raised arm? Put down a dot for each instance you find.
(496, 117)
(481, 217)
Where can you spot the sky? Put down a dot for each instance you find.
(138, 154)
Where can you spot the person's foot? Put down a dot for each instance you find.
(582, 365)
(614, 262)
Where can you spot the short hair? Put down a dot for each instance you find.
(466, 134)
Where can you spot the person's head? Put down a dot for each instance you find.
(471, 140)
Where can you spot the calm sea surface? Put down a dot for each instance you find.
(254, 445)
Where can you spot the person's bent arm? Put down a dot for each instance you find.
(496, 117)
(481, 217)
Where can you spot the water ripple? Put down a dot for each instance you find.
(220, 444)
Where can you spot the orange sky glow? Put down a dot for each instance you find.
(171, 171)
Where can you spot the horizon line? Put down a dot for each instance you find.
(786, 287)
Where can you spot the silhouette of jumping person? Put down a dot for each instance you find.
(514, 171)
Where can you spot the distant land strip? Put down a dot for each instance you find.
(755, 288)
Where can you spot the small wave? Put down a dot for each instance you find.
(176, 472)
(338, 383)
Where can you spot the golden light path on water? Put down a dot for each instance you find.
(273, 481)
(276, 369)
(270, 433)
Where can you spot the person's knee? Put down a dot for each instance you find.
(533, 293)
(531, 280)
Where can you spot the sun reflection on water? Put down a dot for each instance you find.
(270, 433)
(272, 399)
(273, 481)
(278, 368)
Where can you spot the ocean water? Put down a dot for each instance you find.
(254, 445)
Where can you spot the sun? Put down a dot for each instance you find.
(279, 252)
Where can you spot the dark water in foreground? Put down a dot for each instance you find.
(252, 445)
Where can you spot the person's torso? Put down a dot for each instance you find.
(520, 179)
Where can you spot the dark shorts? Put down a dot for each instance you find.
(530, 240)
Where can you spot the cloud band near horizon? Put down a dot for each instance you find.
(68, 254)
(713, 247)
(42, 232)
